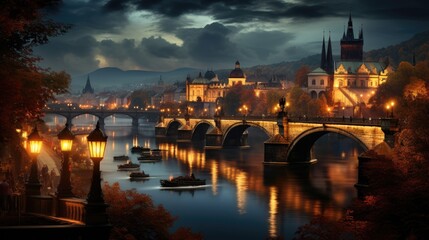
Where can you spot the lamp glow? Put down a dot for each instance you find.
(35, 141)
(66, 138)
(97, 143)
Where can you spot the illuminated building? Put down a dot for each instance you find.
(351, 81)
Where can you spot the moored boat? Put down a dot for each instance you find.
(137, 175)
(182, 181)
(150, 156)
(129, 166)
(121, 157)
(138, 149)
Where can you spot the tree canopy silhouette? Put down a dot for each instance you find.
(26, 87)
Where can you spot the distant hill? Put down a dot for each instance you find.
(111, 78)
(418, 45)
(115, 78)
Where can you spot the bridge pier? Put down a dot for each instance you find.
(101, 122)
(390, 127)
(135, 123)
(214, 139)
(184, 134)
(275, 148)
(160, 130)
(69, 122)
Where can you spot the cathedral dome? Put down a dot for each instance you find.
(237, 72)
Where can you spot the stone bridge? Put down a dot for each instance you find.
(289, 140)
(101, 114)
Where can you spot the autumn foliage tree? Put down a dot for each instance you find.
(134, 216)
(25, 86)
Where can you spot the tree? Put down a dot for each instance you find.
(301, 76)
(134, 216)
(26, 88)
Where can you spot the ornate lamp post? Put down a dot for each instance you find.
(66, 138)
(96, 207)
(35, 143)
(392, 103)
(96, 145)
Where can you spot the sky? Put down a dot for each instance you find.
(163, 35)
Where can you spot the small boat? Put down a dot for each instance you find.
(138, 175)
(150, 156)
(182, 181)
(121, 157)
(138, 149)
(129, 166)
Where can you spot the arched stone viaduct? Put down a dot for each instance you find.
(289, 140)
(101, 114)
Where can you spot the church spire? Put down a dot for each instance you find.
(329, 58)
(350, 35)
(88, 88)
(323, 57)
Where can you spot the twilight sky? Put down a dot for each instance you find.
(163, 35)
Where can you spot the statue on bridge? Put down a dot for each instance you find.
(187, 117)
(282, 103)
(218, 115)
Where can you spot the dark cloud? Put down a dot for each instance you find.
(262, 44)
(159, 47)
(241, 31)
(210, 43)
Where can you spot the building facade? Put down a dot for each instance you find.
(350, 81)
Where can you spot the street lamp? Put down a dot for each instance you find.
(391, 108)
(35, 143)
(96, 145)
(66, 138)
(343, 111)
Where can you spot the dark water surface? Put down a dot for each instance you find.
(243, 198)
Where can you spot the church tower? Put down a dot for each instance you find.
(351, 47)
(88, 88)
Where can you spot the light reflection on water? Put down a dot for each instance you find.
(243, 198)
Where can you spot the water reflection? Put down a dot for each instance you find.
(267, 201)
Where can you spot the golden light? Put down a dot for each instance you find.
(392, 103)
(35, 141)
(66, 138)
(97, 142)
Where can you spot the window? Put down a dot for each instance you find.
(322, 82)
(313, 82)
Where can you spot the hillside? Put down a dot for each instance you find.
(115, 78)
(418, 44)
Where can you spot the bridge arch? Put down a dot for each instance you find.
(173, 128)
(200, 130)
(233, 135)
(299, 149)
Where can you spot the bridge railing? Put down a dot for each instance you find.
(326, 120)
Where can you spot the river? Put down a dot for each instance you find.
(243, 198)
